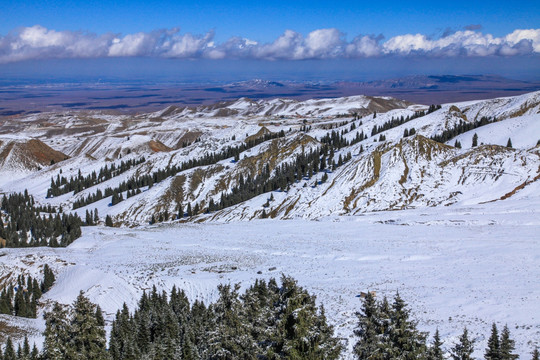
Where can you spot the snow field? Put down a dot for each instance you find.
(456, 267)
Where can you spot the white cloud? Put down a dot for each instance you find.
(138, 44)
(38, 42)
(363, 46)
(324, 43)
(530, 35)
(466, 43)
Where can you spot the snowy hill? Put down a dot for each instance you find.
(396, 172)
(240, 162)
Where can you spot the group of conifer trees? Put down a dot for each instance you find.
(386, 331)
(395, 122)
(461, 128)
(21, 299)
(134, 184)
(268, 321)
(305, 166)
(78, 183)
(22, 224)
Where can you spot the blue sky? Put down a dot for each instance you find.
(346, 39)
(265, 20)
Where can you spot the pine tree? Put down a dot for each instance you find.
(229, 339)
(99, 316)
(57, 334)
(507, 345)
(180, 212)
(9, 351)
(493, 349)
(475, 140)
(535, 354)
(301, 331)
(369, 330)
(464, 349)
(435, 351)
(405, 341)
(26, 348)
(48, 278)
(108, 221)
(509, 143)
(87, 336)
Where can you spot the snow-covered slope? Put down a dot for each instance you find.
(467, 248)
(244, 107)
(20, 156)
(456, 266)
(396, 173)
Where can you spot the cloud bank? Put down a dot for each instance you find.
(38, 42)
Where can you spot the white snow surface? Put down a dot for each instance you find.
(456, 267)
(462, 245)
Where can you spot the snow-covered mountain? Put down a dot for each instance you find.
(385, 173)
(388, 171)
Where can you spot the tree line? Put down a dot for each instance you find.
(461, 128)
(305, 166)
(134, 184)
(270, 320)
(21, 299)
(61, 185)
(22, 224)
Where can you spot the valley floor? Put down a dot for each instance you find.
(455, 266)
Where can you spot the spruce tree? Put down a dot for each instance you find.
(493, 349)
(435, 351)
(507, 345)
(57, 334)
(464, 349)
(535, 354)
(108, 221)
(229, 339)
(369, 330)
(405, 341)
(509, 143)
(475, 140)
(87, 336)
(9, 351)
(301, 331)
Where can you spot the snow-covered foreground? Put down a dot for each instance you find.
(455, 266)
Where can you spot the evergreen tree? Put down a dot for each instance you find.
(507, 345)
(180, 212)
(509, 143)
(493, 350)
(464, 349)
(108, 221)
(369, 330)
(9, 351)
(405, 341)
(57, 334)
(435, 351)
(535, 354)
(48, 278)
(99, 316)
(229, 339)
(475, 140)
(302, 331)
(87, 336)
